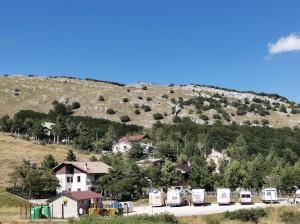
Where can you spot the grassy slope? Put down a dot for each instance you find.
(13, 151)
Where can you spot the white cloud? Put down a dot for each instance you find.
(284, 44)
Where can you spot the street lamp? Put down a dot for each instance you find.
(150, 182)
(269, 180)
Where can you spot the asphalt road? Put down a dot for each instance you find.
(199, 210)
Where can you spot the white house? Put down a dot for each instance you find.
(67, 204)
(121, 147)
(79, 176)
(125, 143)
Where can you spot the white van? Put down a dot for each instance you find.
(198, 196)
(269, 195)
(223, 196)
(297, 197)
(175, 198)
(157, 198)
(245, 197)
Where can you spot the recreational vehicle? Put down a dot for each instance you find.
(157, 198)
(245, 197)
(269, 195)
(297, 197)
(175, 198)
(223, 196)
(198, 196)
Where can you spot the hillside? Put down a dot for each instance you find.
(14, 150)
(140, 101)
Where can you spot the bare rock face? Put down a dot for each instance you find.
(178, 109)
(64, 100)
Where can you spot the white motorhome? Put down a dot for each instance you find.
(297, 197)
(269, 195)
(157, 198)
(198, 196)
(175, 198)
(245, 197)
(223, 196)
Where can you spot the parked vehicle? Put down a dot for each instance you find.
(297, 197)
(157, 198)
(245, 197)
(198, 196)
(175, 198)
(269, 195)
(223, 196)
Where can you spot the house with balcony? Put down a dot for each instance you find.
(79, 176)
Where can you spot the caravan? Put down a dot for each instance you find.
(198, 196)
(269, 195)
(175, 198)
(297, 197)
(223, 196)
(245, 197)
(157, 198)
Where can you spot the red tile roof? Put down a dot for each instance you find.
(131, 138)
(81, 195)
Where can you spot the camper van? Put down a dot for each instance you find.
(223, 196)
(198, 196)
(175, 198)
(245, 197)
(157, 198)
(269, 195)
(297, 197)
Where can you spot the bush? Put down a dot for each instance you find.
(125, 119)
(176, 119)
(217, 116)
(110, 111)
(137, 111)
(158, 116)
(290, 217)
(144, 88)
(172, 91)
(204, 117)
(146, 108)
(148, 98)
(140, 98)
(136, 105)
(101, 98)
(125, 100)
(165, 96)
(75, 105)
(246, 215)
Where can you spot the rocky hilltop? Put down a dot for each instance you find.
(144, 104)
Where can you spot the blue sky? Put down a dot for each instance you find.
(243, 45)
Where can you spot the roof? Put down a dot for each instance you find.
(131, 138)
(87, 167)
(81, 195)
(220, 155)
(184, 168)
(47, 125)
(149, 161)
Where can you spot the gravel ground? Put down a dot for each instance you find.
(198, 210)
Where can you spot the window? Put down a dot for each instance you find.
(78, 178)
(78, 189)
(69, 179)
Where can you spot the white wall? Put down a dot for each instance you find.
(74, 186)
(70, 208)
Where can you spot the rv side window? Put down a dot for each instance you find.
(268, 193)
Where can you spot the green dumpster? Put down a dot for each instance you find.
(36, 212)
(45, 211)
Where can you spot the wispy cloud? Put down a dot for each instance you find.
(284, 44)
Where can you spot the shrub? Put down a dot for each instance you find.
(125, 118)
(158, 116)
(125, 100)
(128, 90)
(290, 217)
(265, 122)
(165, 96)
(110, 111)
(246, 215)
(140, 98)
(101, 98)
(136, 105)
(171, 85)
(217, 116)
(148, 98)
(165, 114)
(176, 119)
(173, 100)
(146, 108)
(137, 111)
(172, 91)
(204, 117)
(144, 88)
(75, 105)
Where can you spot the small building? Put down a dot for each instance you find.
(125, 143)
(79, 176)
(150, 161)
(68, 204)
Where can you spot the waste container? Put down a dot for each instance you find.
(111, 212)
(36, 212)
(45, 211)
(120, 211)
(115, 205)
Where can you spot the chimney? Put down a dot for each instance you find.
(85, 166)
